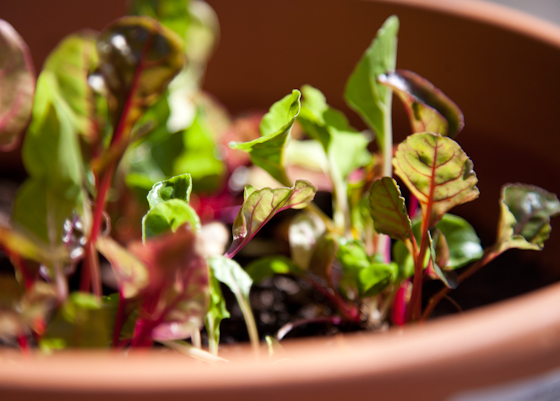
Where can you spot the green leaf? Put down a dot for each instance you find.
(267, 151)
(178, 284)
(437, 171)
(269, 266)
(363, 93)
(137, 59)
(346, 148)
(438, 246)
(17, 81)
(525, 217)
(178, 187)
(227, 271)
(261, 205)
(132, 275)
(70, 63)
(388, 210)
(463, 245)
(462, 241)
(376, 277)
(304, 232)
(217, 311)
(428, 108)
(199, 157)
(81, 322)
(168, 216)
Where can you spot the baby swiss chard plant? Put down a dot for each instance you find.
(118, 128)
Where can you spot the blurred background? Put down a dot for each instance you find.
(547, 9)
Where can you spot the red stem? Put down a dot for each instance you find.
(119, 320)
(23, 344)
(350, 312)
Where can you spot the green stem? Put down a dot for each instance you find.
(250, 322)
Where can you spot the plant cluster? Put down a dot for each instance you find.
(116, 118)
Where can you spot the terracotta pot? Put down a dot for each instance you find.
(501, 67)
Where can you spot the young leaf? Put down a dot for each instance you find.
(388, 210)
(217, 311)
(176, 298)
(525, 217)
(17, 81)
(137, 59)
(70, 63)
(173, 14)
(437, 172)
(167, 217)
(178, 187)
(323, 257)
(227, 271)
(261, 205)
(132, 275)
(363, 93)
(438, 246)
(346, 148)
(267, 151)
(269, 266)
(428, 108)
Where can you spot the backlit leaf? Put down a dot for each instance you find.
(168, 216)
(178, 284)
(376, 277)
(363, 93)
(304, 233)
(428, 108)
(437, 171)
(267, 151)
(261, 205)
(138, 58)
(525, 216)
(388, 209)
(17, 81)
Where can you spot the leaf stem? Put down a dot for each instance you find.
(250, 322)
(489, 255)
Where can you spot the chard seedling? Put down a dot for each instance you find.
(125, 160)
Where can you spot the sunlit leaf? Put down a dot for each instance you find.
(178, 284)
(261, 205)
(388, 209)
(132, 275)
(323, 257)
(428, 108)
(269, 266)
(178, 187)
(363, 93)
(173, 14)
(304, 232)
(17, 81)
(200, 157)
(70, 63)
(346, 148)
(167, 216)
(138, 58)
(267, 151)
(437, 171)
(525, 216)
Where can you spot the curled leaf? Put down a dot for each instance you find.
(261, 205)
(267, 151)
(525, 216)
(17, 81)
(178, 187)
(437, 171)
(428, 108)
(388, 209)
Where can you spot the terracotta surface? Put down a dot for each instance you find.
(506, 81)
